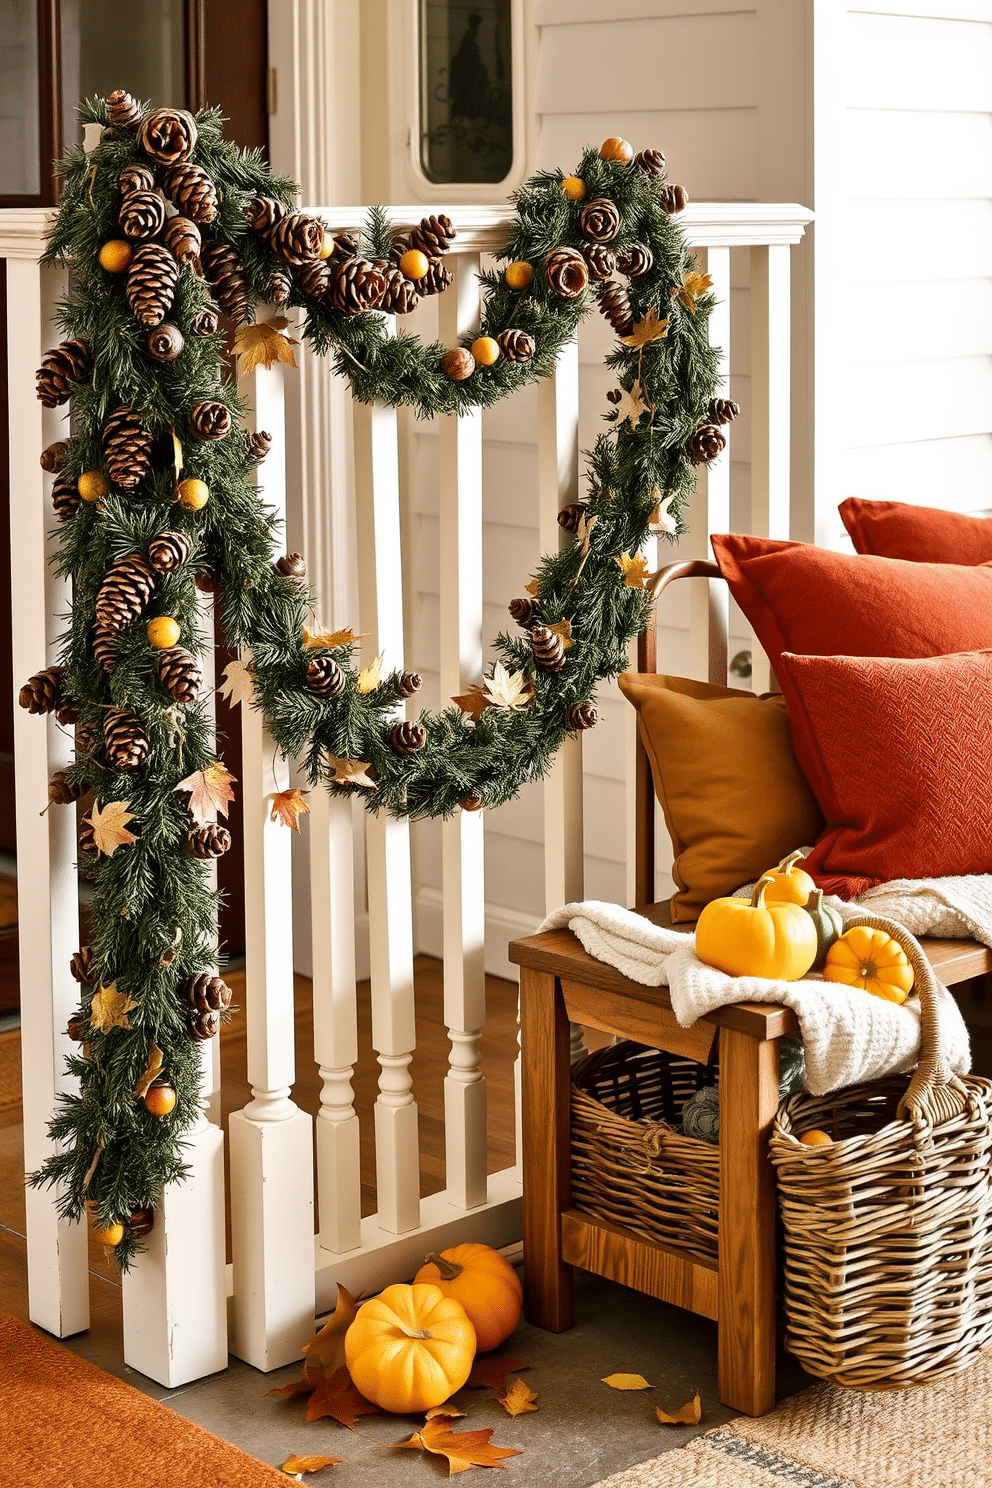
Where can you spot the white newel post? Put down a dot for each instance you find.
(710, 506)
(271, 1139)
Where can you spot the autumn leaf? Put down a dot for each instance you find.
(368, 680)
(533, 587)
(209, 792)
(563, 628)
(584, 532)
(295, 1387)
(511, 691)
(327, 640)
(687, 1415)
(288, 806)
(307, 1464)
(349, 772)
(326, 1348)
(463, 1449)
(634, 570)
(693, 287)
(518, 1399)
(177, 454)
(648, 329)
(474, 702)
(336, 1396)
(489, 1372)
(110, 1008)
(448, 1409)
(152, 1068)
(626, 1382)
(238, 684)
(661, 518)
(628, 405)
(262, 346)
(109, 826)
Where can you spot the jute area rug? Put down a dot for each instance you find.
(935, 1436)
(66, 1424)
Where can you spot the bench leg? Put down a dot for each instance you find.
(746, 1327)
(544, 1044)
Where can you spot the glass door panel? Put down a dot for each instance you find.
(140, 47)
(20, 126)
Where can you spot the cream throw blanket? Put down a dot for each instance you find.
(849, 1036)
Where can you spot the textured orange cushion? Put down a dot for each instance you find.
(921, 534)
(724, 770)
(902, 751)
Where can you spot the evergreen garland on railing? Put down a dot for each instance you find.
(155, 424)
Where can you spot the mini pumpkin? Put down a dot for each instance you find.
(410, 1348)
(751, 938)
(790, 885)
(829, 925)
(486, 1285)
(868, 958)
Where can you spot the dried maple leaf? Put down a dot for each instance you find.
(326, 1348)
(336, 1396)
(511, 691)
(349, 772)
(648, 329)
(368, 680)
(327, 640)
(533, 587)
(110, 1008)
(661, 519)
(448, 1409)
(209, 792)
(288, 806)
(307, 1464)
(474, 702)
(295, 1387)
(634, 570)
(489, 1373)
(626, 1382)
(694, 286)
(563, 628)
(238, 684)
(628, 405)
(687, 1415)
(262, 346)
(463, 1449)
(518, 1399)
(152, 1068)
(109, 826)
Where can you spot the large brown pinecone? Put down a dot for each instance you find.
(203, 1025)
(142, 214)
(705, 443)
(635, 260)
(53, 456)
(164, 342)
(205, 993)
(582, 716)
(570, 516)
(151, 284)
(62, 790)
(135, 178)
(315, 278)
(722, 411)
(167, 135)
(599, 220)
(83, 966)
(182, 238)
(65, 498)
(263, 212)
(127, 448)
(402, 294)
(516, 346)
(192, 192)
(206, 322)
(126, 589)
(649, 162)
(524, 612)
(297, 238)
(61, 369)
(433, 235)
(209, 841)
(123, 111)
(565, 272)
(600, 260)
(278, 288)
(105, 649)
(673, 199)
(407, 684)
(407, 738)
(127, 743)
(325, 677)
(436, 280)
(179, 673)
(258, 443)
(345, 245)
(67, 713)
(224, 272)
(548, 647)
(210, 420)
(42, 693)
(292, 566)
(358, 286)
(169, 551)
(614, 301)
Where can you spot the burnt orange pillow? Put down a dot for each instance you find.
(726, 775)
(902, 756)
(921, 534)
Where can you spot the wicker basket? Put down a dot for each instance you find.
(888, 1229)
(629, 1166)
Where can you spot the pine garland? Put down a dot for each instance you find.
(153, 917)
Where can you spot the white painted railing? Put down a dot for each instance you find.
(282, 1273)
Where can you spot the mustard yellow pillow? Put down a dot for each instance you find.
(734, 797)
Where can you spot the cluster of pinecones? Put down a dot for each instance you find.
(708, 439)
(205, 998)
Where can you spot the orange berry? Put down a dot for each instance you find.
(574, 188)
(327, 247)
(485, 350)
(163, 632)
(193, 494)
(92, 485)
(816, 1138)
(519, 274)
(414, 264)
(160, 1100)
(115, 256)
(111, 1234)
(616, 148)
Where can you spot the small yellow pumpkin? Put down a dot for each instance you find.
(863, 957)
(410, 1348)
(486, 1285)
(751, 938)
(790, 885)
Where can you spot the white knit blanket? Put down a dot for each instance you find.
(849, 1035)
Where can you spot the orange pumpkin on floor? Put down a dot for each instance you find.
(863, 957)
(410, 1348)
(486, 1285)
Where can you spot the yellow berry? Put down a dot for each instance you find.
(163, 632)
(414, 264)
(616, 148)
(574, 188)
(111, 1234)
(485, 350)
(520, 274)
(327, 247)
(193, 494)
(115, 256)
(93, 485)
(815, 1138)
(160, 1100)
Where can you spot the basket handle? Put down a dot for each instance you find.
(935, 1093)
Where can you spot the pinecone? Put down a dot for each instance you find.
(203, 1025)
(224, 272)
(206, 321)
(263, 212)
(523, 612)
(205, 993)
(614, 302)
(209, 841)
(67, 714)
(127, 448)
(314, 279)
(63, 366)
(722, 411)
(192, 192)
(297, 238)
(293, 568)
(325, 677)
(207, 583)
(277, 288)
(164, 343)
(436, 280)
(599, 220)
(151, 284)
(472, 802)
(258, 443)
(358, 285)
(402, 294)
(52, 458)
(649, 162)
(42, 693)
(123, 111)
(635, 260)
(407, 684)
(83, 966)
(87, 838)
(565, 272)
(167, 135)
(548, 647)
(345, 246)
(673, 199)
(65, 498)
(169, 551)
(62, 791)
(140, 1222)
(180, 675)
(570, 516)
(705, 443)
(105, 649)
(127, 743)
(434, 235)
(182, 238)
(142, 214)
(135, 178)
(210, 420)
(407, 738)
(86, 740)
(76, 1027)
(582, 716)
(600, 260)
(516, 346)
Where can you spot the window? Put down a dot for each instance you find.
(466, 96)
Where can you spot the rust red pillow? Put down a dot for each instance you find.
(920, 534)
(901, 750)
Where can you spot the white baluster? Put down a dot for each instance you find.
(770, 415)
(710, 507)
(462, 838)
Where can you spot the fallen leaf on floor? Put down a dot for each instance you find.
(626, 1382)
(307, 1464)
(490, 1373)
(286, 1392)
(686, 1415)
(325, 1375)
(326, 1348)
(518, 1399)
(449, 1409)
(338, 1397)
(463, 1449)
